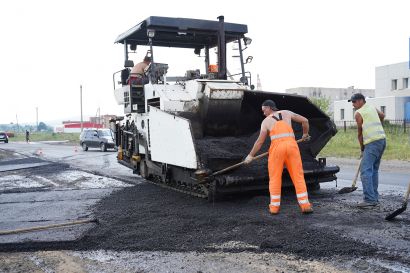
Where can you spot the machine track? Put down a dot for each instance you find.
(201, 191)
(207, 190)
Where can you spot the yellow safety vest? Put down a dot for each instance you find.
(372, 127)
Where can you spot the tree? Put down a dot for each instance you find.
(323, 103)
(42, 126)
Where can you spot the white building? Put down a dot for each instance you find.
(392, 95)
(333, 94)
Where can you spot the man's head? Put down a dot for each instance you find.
(268, 106)
(358, 100)
(147, 59)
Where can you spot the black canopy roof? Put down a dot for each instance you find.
(181, 32)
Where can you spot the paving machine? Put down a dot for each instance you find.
(175, 127)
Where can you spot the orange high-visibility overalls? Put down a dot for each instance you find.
(284, 150)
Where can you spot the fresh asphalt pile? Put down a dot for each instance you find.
(221, 152)
(146, 217)
(150, 218)
(227, 147)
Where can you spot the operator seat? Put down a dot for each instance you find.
(125, 73)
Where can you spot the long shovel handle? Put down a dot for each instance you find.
(238, 164)
(406, 196)
(7, 232)
(256, 157)
(357, 173)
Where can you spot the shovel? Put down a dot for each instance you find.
(15, 231)
(403, 207)
(203, 176)
(353, 187)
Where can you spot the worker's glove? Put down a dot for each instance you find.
(248, 159)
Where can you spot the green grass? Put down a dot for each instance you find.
(345, 144)
(47, 136)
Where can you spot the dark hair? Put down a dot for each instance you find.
(147, 59)
(357, 96)
(271, 104)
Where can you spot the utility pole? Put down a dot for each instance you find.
(258, 83)
(81, 106)
(37, 118)
(17, 121)
(98, 117)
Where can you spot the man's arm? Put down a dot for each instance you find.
(304, 121)
(381, 115)
(258, 143)
(359, 121)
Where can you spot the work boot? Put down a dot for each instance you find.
(366, 205)
(306, 209)
(274, 210)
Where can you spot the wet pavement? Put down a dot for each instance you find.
(36, 192)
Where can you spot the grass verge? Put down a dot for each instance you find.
(345, 144)
(73, 138)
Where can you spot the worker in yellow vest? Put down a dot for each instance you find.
(372, 140)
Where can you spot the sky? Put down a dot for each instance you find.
(49, 48)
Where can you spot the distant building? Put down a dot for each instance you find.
(104, 120)
(75, 126)
(333, 94)
(69, 126)
(392, 94)
(393, 80)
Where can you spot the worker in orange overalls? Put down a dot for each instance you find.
(283, 151)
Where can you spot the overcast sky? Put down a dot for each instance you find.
(50, 48)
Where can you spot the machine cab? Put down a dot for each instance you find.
(200, 35)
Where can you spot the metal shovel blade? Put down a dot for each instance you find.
(347, 190)
(396, 212)
(353, 187)
(403, 208)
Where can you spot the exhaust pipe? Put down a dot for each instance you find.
(221, 50)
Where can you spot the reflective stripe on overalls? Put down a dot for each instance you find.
(285, 151)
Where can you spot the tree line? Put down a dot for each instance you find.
(17, 128)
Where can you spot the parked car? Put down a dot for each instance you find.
(97, 138)
(4, 137)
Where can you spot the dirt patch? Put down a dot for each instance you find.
(159, 262)
(43, 261)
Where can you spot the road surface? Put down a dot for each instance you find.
(145, 228)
